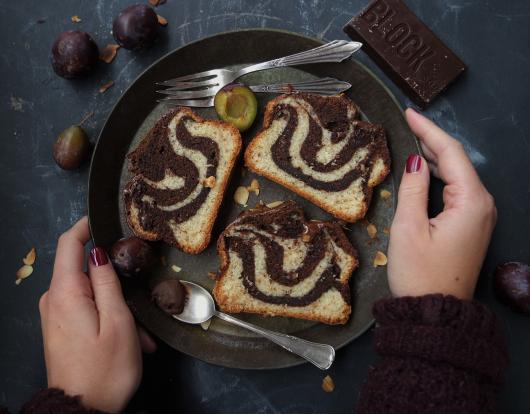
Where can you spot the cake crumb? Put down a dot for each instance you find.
(386, 230)
(175, 268)
(212, 275)
(327, 384)
(75, 19)
(385, 194)
(103, 88)
(254, 187)
(209, 182)
(371, 230)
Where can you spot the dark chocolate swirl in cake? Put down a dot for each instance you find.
(274, 261)
(315, 146)
(181, 168)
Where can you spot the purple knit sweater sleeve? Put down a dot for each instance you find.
(55, 401)
(438, 355)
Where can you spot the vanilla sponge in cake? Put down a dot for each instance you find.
(274, 262)
(181, 169)
(316, 146)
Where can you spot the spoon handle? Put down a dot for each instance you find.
(320, 355)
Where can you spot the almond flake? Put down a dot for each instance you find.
(386, 230)
(212, 275)
(241, 196)
(109, 53)
(254, 187)
(175, 268)
(209, 182)
(162, 21)
(30, 257)
(18, 281)
(385, 194)
(380, 259)
(327, 384)
(75, 19)
(371, 230)
(206, 324)
(274, 204)
(103, 88)
(24, 272)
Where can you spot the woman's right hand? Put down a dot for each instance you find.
(443, 254)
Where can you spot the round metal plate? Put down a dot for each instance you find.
(137, 111)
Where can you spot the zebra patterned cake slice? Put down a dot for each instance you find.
(181, 170)
(316, 147)
(274, 262)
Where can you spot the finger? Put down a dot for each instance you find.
(413, 195)
(147, 343)
(68, 275)
(43, 310)
(454, 166)
(105, 283)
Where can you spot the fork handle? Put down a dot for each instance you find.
(324, 86)
(320, 355)
(335, 51)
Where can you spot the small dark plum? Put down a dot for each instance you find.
(132, 256)
(170, 296)
(74, 54)
(236, 104)
(512, 285)
(136, 27)
(71, 148)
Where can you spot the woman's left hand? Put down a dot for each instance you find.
(91, 344)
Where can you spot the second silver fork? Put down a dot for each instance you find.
(324, 86)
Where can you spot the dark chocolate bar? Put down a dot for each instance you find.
(409, 53)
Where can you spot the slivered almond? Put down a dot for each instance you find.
(274, 204)
(254, 187)
(241, 196)
(24, 272)
(109, 53)
(206, 324)
(385, 194)
(371, 230)
(175, 268)
(380, 259)
(30, 257)
(75, 19)
(209, 182)
(327, 384)
(103, 88)
(162, 21)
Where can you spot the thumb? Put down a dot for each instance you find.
(105, 283)
(413, 195)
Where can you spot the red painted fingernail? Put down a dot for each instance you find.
(413, 163)
(98, 256)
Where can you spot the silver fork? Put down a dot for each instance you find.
(211, 81)
(324, 86)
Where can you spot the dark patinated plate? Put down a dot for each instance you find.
(137, 111)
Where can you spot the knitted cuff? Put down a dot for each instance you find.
(437, 328)
(53, 400)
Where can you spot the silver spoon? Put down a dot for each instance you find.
(200, 307)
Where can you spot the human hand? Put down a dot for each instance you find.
(91, 343)
(443, 254)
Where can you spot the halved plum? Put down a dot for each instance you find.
(236, 104)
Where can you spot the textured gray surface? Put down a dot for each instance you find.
(487, 110)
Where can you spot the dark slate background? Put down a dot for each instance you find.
(488, 110)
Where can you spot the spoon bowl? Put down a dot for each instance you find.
(199, 306)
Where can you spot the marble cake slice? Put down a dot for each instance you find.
(274, 262)
(181, 169)
(316, 147)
